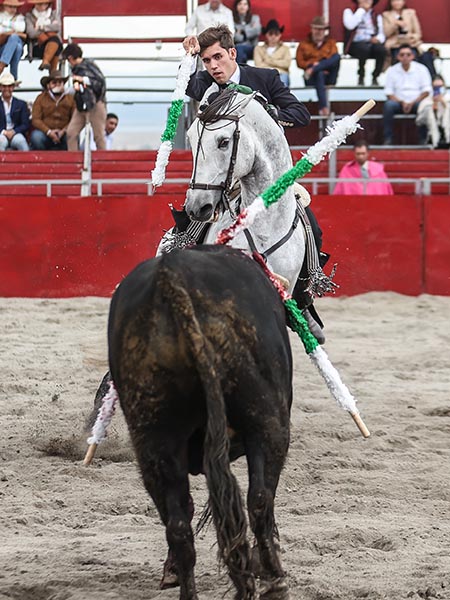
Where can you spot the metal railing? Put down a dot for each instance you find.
(422, 186)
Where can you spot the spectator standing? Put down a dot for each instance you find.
(367, 170)
(407, 84)
(51, 114)
(247, 30)
(434, 114)
(364, 37)
(318, 56)
(87, 75)
(112, 120)
(210, 14)
(273, 54)
(43, 26)
(12, 36)
(401, 26)
(14, 116)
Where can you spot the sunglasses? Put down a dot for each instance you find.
(405, 54)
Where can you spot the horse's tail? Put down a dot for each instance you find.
(224, 494)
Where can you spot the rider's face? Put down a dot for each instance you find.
(220, 63)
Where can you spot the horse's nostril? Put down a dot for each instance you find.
(205, 211)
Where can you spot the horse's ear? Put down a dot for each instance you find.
(213, 90)
(244, 101)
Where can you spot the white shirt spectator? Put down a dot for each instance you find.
(10, 22)
(204, 16)
(408, 85)
(109, 139)
(362, 20)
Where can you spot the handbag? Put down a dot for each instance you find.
(84, 98)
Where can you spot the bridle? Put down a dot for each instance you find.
(210, 116)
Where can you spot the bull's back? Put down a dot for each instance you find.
(235, 306)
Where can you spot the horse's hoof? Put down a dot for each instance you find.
(273, 589)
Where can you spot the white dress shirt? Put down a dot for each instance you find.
(204, 17)
(408, 85)
(361, 20)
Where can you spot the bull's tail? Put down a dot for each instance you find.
(225, 496)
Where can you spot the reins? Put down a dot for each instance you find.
(220, 109)
(225, 186)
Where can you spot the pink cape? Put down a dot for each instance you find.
(352, 170)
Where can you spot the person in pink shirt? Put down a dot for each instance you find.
(366, 170)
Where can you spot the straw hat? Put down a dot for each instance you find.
(8, 79)
(12, 2)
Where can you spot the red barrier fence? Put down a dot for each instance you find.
(73, 246)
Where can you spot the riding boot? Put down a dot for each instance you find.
(313, 324)
(51, 48)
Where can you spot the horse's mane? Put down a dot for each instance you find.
(220, 106)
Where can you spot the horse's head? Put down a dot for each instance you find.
(221, 154)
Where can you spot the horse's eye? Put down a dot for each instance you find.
(223, 144)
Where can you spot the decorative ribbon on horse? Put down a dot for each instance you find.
(176, 108)
(316, 353)
(337, 133)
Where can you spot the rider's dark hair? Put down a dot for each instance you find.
(212, 35)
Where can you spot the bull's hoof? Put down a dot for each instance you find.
(274, 589)
(169, 578)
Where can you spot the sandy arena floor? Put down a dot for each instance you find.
(359, 519)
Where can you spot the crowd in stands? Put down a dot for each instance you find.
(59, 113)
(392, 37)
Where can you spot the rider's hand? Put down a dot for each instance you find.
(191, 45)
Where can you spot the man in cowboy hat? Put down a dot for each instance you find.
(86, 74)
(14, 117)
(318, 56)
(273, 54)
(218, 53)
(12, 36)
(51, 114)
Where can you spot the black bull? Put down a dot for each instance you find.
(200, 357)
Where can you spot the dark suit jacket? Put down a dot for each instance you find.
(19, 116)
(291, 112)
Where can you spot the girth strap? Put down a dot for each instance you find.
(278, 244)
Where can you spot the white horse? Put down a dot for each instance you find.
(235, 139)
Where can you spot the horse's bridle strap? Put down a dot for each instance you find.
(206, 186)
(226, 185)
(278, 244)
